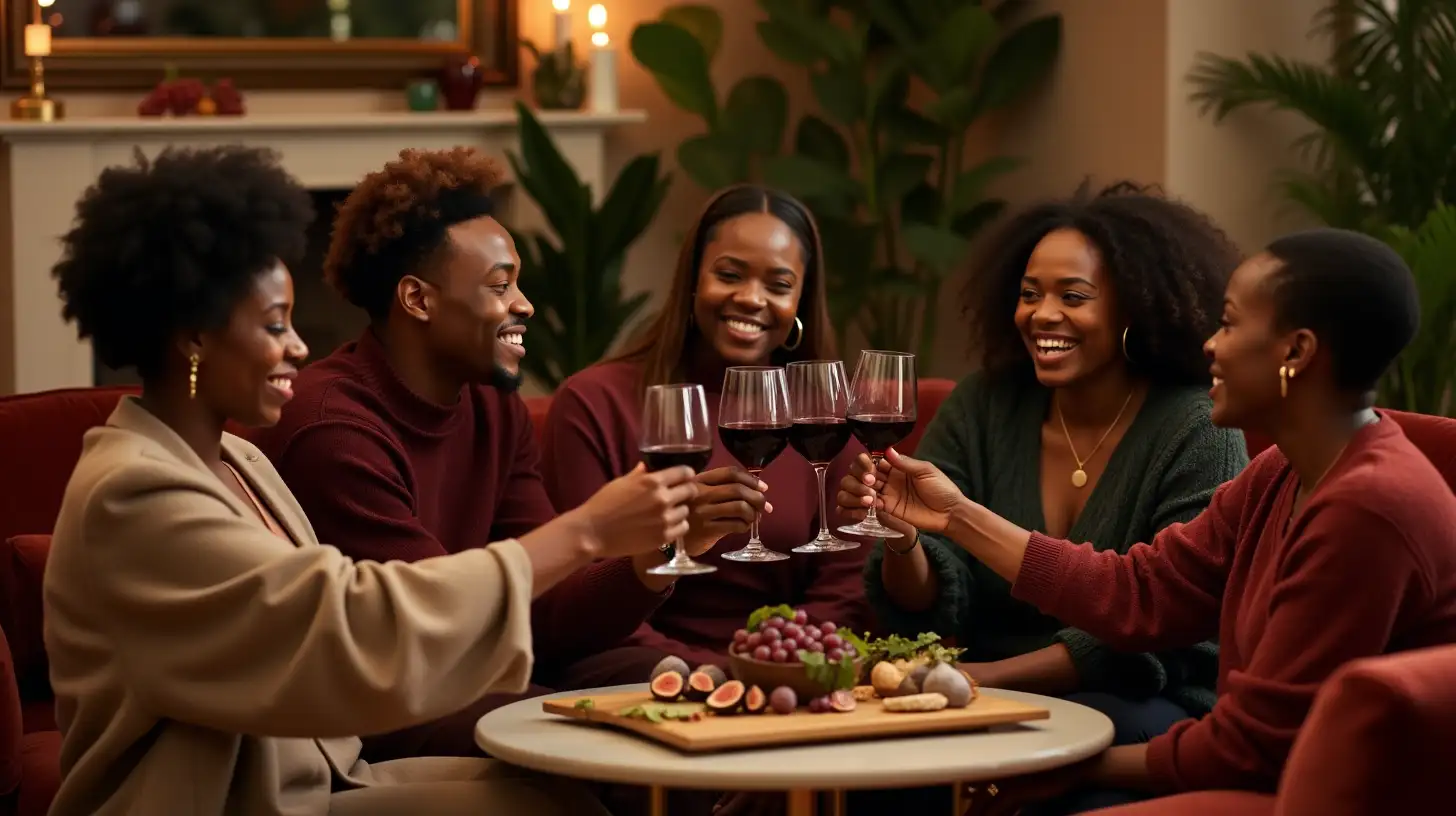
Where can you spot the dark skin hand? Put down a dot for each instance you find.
(728, 500)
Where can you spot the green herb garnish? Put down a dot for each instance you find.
(896, 647)
(828, 676)
(585, 703)
(657, 712)
(763, 613)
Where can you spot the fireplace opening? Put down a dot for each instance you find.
(321, 316)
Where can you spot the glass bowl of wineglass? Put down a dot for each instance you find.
(753, 425)
(675, 431)
(818, 402)
(881, 413)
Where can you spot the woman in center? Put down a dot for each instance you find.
(748, 291)
(1089, 419)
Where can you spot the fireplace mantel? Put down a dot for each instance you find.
(47, 167)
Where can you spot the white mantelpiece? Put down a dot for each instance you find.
(47, 167)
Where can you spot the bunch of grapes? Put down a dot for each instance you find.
(779, 640)
(182, 97)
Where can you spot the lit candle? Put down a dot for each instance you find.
(603, 63)
(563, 22)
(38, 40)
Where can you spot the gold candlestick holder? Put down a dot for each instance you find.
(36, 106)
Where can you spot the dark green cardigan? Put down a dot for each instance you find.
(987, 438)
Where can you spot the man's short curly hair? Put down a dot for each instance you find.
(1169, 265)
(397, 218)
(172, 244)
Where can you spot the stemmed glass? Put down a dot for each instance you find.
(881, 413)
(675, 431)
(753, 423)
(818, 402)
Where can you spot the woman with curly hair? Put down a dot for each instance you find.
(208, 654)
(1089, 419)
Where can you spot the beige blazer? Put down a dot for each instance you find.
(203, 665)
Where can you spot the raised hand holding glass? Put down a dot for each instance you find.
(675, 431)
(881, 413)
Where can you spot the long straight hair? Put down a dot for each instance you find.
(663, 345)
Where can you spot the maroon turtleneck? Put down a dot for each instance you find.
(384, 474)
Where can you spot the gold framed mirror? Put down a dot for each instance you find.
(261, 44)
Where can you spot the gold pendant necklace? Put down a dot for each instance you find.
(1079, 476)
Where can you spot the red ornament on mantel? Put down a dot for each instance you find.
(185, 97)
(460, 82)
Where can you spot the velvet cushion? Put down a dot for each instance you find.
(41, 768)
(928, 397)
(10, 722)
(22, 566)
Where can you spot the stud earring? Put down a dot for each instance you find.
(1286, 373)
(195, 360)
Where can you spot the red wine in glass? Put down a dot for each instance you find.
(819, 439)
(880, 432)
(753, 425)
(662, 457)
(754, 444)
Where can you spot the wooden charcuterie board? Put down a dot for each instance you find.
(868, 720)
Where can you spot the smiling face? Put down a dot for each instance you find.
(1067, 311)
(749, 283)
(476, 312)
(1248, 348)
(246, 368)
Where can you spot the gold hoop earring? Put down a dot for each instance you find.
(798, 338)
(195, 360)
(1125, 355)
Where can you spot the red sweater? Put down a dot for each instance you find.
(384, 474)
(591, 437)
(1368, 568)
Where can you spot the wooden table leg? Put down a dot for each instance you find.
(837, 805)
(801, 803)
(958, 799)
(657, 800)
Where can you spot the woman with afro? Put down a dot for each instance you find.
(208, 654)
(1089, 420)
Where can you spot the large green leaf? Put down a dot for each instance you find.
(756, 114)
(786, 43)
(904, 126)
(956, 108)
(970, 185)
(835, 43)
(939, 249)
(711, 162)
(703, 22)
(820, 140)
(549, 178)
(899, 173)
(628, 207)
(972, 221)
(808, 177)
(840, 90)
(678, 62)
(956, 48)
(1022, 59)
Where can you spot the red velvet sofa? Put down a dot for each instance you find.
(40, 440)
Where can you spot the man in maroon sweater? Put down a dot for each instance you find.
(411, 442)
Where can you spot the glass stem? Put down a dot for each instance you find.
(753, 543)
(680, 552)
(823, 508)
(873, 518)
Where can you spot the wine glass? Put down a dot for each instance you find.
(818, 402)
(675, 431)
(881, 413)
(753, 423)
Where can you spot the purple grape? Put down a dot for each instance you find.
(793, 630)
(834, 655)
(741, 636)
(775, 622)
(816, 705)
(771, 636)
(801, 617)
(814, 646)
(832, 641)
(827, 627)
(788, 644)
(812, 632)
(762, 653)
(778, 656)
(783, 700)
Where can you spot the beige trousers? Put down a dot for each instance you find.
(463, 786)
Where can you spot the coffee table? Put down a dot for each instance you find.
(522, 734)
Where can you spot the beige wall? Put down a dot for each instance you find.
(1116, 108)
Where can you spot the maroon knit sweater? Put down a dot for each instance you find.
(591, 437)
(1367, 568)
(384, 474)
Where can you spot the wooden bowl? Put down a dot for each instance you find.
(769, 676)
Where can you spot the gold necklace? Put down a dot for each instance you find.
(1079, 476)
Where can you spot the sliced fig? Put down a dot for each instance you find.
(671, 663)
(754, 700)
(700, 685)
(719, 678)
(668, 686)
(842, 701)
(727, 698)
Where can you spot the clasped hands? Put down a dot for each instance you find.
(907, 493)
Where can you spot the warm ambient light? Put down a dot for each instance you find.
(597, 16)
(559, 5)
(45, 3)
(599, 39)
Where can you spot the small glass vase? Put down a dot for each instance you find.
(559, 81)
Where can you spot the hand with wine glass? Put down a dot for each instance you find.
(675, 433)
(753, 424)
(818, 402)
(728, 501)
(912, 493)
(882, 412)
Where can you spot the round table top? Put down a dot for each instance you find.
(522, 734)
